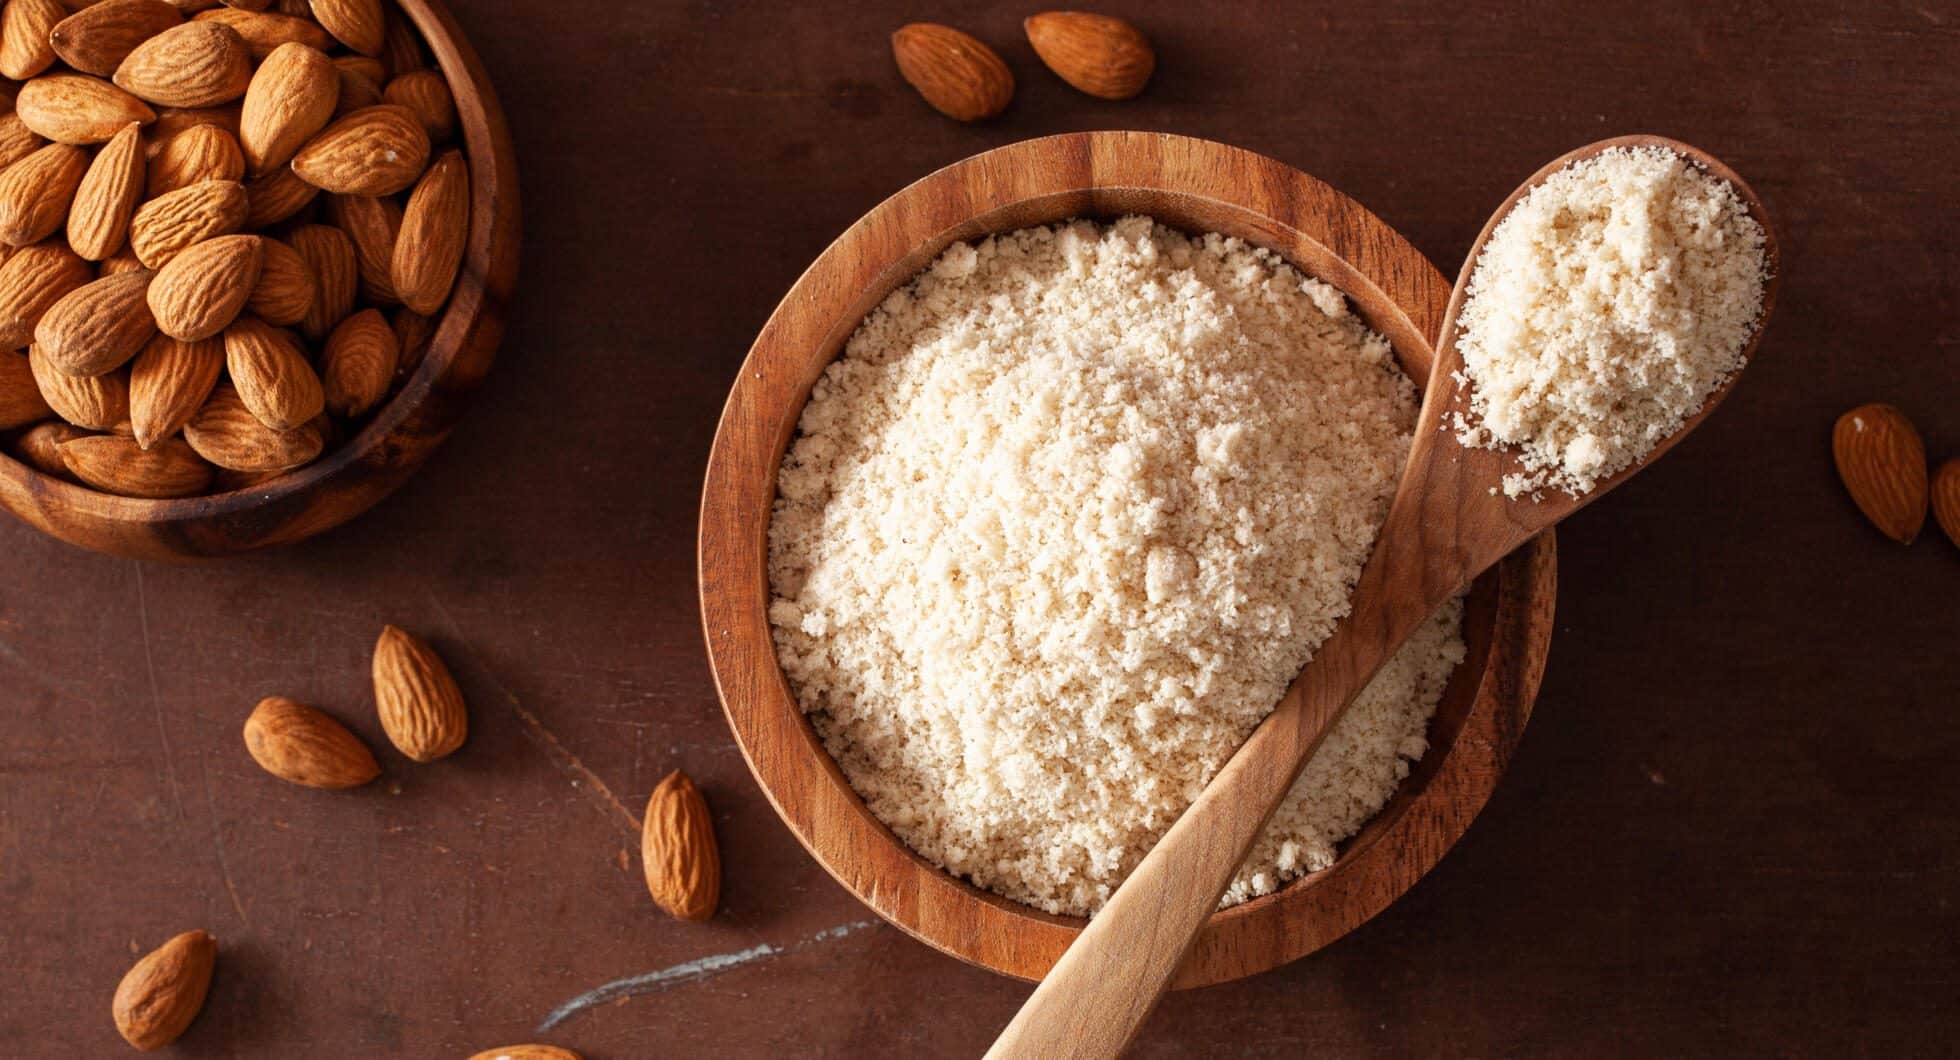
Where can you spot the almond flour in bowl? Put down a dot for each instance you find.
(1058, 528)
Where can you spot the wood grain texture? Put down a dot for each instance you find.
(1196, 185)
(389, 448)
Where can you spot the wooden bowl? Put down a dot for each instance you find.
(1194, 185)
(352, 476)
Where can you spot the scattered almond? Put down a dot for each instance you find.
(355, 23)
(273, 376)
(427, 94)
(98, 219)
(168, 224)
(276, 197)
(197, 64)
(78, 109)
(96, 39)
(202, 152)
(377, 150)
(226, 433)
(435, 226)
(173, 120)
(359, 363)
(159, 997)
(961, 77)
(678, 851)
(115, 464)
(32, 280)
(420, 706)
(265, 31)
(373, 225)
(21, 402)
(17, 141)
(168, 383)
(1946, 498)
(39, 447)
(291, 98)
(98, 326)
(36, 192)
(202, 290)
(1883, 465)
(413, 331)
(297, 743)
(25, 28)
(97, 402)
(354, 90)
(1103, 56)
(329, 256)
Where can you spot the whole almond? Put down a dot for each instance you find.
(413, 332)
(526, 1052)
(158, 998)
(173, 120)
(174, 221)
(377, 150)
(355, 23)
(290, 99)
(1946, 498)
(226, 433)
(25, 26)
(123, 260)
(678, 851)
(98, 326)
(285, 289)
(78, 109)
(31, 281)
(401, 46)
(197, 64)
(98, 219)
(297, 743)
(961, 77)
(358, 364)
(420, 706)
(115, 464)
(169, 382)
(21, 402)
(266, 31)
(373, 225)
(435, 226)
(17, 141)
(36, 192)
(39, 447)
(366, 65)
(274, 378)
(355, 91)
(427, 94)
(1883, 465)
(329, 256)
(96, 39)
(97, 402)
(276, 197)
(1103, 56)
(204, 288)
(199, 153)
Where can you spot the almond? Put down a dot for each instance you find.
(1883, 465)
(401, 46)
(1103, 56)
(36, 192)
(39, 447)
(434, 228)
(285, 289)
(373, 225)
(199, 153)
(264, 32)
(355, 91)
(961, 77)
(226, 433)
(17, 141)
(98, 326)
(1946, 498)
(21, 402)
(197, 64)
(250, 5)
(427, 94)
(98, 219)
(359, 363)
(291, 98)
(677, 849)
(169, 382)
(96, 39)
(355, 23)
(204, 288)
(273, 377)
(78, 109)
(366, 65)
(98, 402)
(413, 331)
(276, 197)
(24, 29)
(115, 464)
(173, 120)
(31, 281)
(297, 743)
(168, 224)
(123, 260)
(377, 150)
(329, 256)
(526, 1052)
(157, 1000)
(420, 706)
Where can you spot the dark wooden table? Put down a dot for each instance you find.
(1733, 825)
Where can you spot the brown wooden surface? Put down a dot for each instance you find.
(1732, 826)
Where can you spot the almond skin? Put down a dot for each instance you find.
(1882, 462)
(96, 39)
(115, 464)
(366, 65)
(158, 998)
(527, 1052)
(25, 26)
(358, 364)
(329, 255)
(377, 150)
(401, 46)
(168, 382)
(265, 31)
(355, 23)
(199, 153)
(98, 326)
(226, 433)
(37, 191)
(204, 288)
(435, 226)
(97, 402)
(21, 402)
(427, 94)
(291, 98)
(31, 281)
(413, 332)
(420, 706)
(173, 120)
(285, 289)
(98, 219)
(39, 447)
(373, 225)
(961, 77)
(168, 224)
(276, 197)
(1103, 56)
(297, 743)
(78, 109)
(274, 378)
(1946, 498)
(197, 64)
(17, 141)
(678, 851)
(356, 91)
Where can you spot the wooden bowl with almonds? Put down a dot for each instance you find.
(1199, 187)
(252, 264)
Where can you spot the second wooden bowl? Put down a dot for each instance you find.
(1194, 185)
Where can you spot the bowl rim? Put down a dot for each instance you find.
(1394, 288)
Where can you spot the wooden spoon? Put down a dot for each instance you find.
(1448, 523)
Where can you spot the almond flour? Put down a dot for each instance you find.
(1058, 528)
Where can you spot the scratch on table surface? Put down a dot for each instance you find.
(156, 697)
(567, 763)
(691, 972)
(218, 847)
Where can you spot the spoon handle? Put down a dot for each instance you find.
(1096, 997)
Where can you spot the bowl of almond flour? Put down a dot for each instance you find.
(1034, 496)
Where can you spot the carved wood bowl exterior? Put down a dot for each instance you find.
(356, 473)
(1197, 186)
